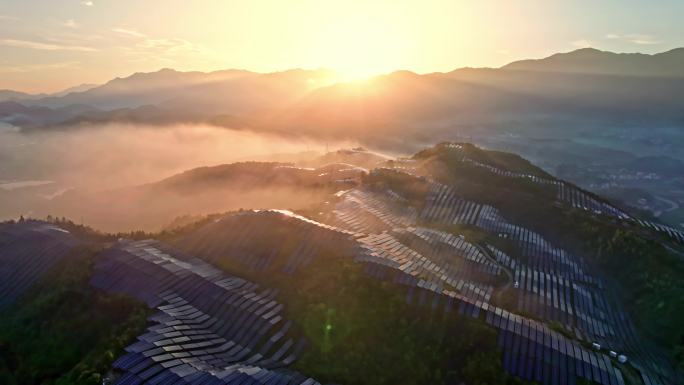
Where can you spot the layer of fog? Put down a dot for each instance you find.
(107, 158)
(112, 156)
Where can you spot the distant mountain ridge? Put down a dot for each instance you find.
(593, 61)
(10, 95)
(584, 60)
(583, 87)
(165, 86)
(18, 96)
(79, 88)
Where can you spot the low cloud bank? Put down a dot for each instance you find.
(97, 161)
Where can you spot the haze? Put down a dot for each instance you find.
(48, 46)
(341, 192)
(88, 174)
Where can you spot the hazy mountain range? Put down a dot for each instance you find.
(10, 95)
(590, 116)
(593, 61)
(586, 85)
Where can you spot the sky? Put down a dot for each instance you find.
(50, 45)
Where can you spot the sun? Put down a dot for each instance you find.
(357, 48)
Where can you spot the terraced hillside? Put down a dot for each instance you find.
(455, 265)
(555, 304)
(29, 250)
(209, 327)
(535, 217)
(330, 289)
(60, 330)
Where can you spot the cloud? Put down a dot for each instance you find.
(634, 38)
(164, 50)
(582, 43)
(161, 48)
(168, 45)
(44, 46)
(642, 39)
(71, 23)
(38, 67)
(129, 32)
(142, 47)
(8, 17)
(88, 3)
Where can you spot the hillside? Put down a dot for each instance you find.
(358, 157)
(216, 92)
(200, 191)
(45, 291)
(593, 61)
(9, 95)
(488, 269)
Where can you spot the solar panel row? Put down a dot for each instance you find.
(29, 250)
(551, 284)
(210, 328)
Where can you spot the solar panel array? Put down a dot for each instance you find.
(27, 251)
(443, 205)
(210, 328)
(213, 328)
(418, 254)
(671, 232)
(275, 240)
(428, 280)
(552, 284)
(574, 196)
(353, 212)
(531, 350)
